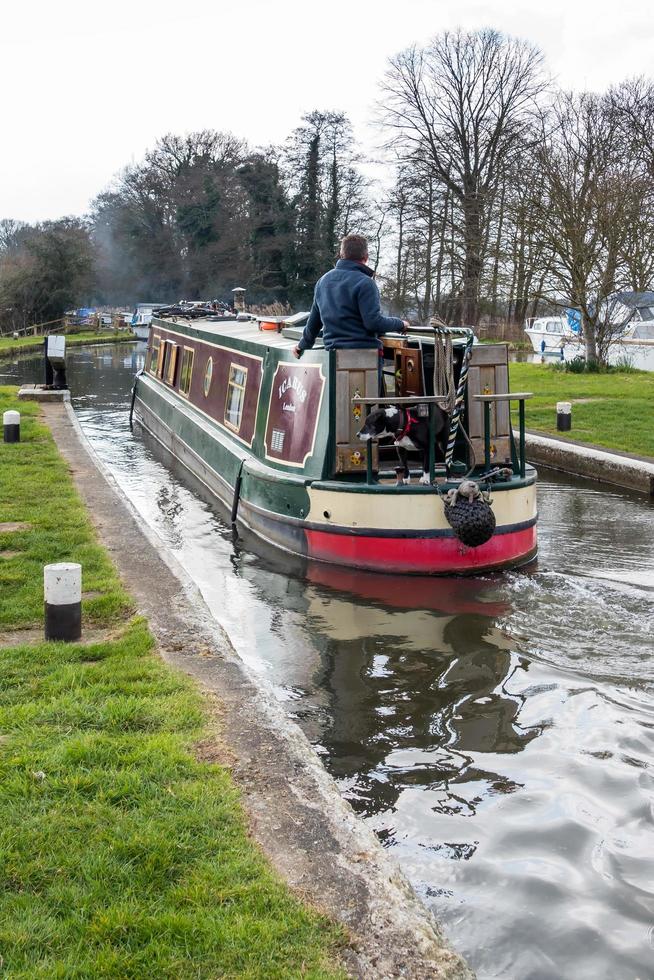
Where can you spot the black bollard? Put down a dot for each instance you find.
(563, 416)
(11, 425)
(62, 590)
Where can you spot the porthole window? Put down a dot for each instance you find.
(208, 374)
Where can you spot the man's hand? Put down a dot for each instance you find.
(406, 327)
(297, 351)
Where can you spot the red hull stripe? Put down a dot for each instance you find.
(422, 555)
(396, 533)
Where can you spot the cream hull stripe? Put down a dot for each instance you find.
(424, 512)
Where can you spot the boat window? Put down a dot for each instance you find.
(235, 396)
(186, 371)
(553, 326)
(154, 354)
(170, 361)
(162, 358)
(208, 374)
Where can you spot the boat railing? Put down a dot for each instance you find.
(519, 460)
(518, 457)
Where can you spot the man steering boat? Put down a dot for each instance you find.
(346, 305)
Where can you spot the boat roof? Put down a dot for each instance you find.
(248, 330)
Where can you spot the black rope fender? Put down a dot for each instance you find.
(469, 513)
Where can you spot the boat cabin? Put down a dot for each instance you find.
(306, 413)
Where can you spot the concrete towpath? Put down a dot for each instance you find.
(309, 833)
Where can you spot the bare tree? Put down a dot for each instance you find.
(633, 104)
(461, 106)
(591, 187)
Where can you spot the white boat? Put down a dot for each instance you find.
(142, 317)
(558, 336)
(633, 315)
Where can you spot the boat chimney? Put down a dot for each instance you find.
(239, 299)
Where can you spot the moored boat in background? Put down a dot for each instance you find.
(630, 317)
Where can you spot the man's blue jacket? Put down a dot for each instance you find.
(346, 306)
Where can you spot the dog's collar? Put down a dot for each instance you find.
(409, 422)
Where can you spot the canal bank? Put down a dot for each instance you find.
(294, 809)
(591, 462)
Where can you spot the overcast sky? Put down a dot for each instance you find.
(87, 87)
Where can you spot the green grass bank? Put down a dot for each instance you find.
(613, 410)
(10, 345)
(122, 854)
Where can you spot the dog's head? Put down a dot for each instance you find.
(380, 423)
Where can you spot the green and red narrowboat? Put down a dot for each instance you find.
(275, 439)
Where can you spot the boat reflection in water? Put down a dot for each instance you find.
(399, 665)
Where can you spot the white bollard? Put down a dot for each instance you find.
(563, 416)
(62, 590)
(11, 425)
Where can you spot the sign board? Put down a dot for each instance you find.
(56, 348)
(293, 413)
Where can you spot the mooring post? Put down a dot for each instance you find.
(62, 590)
(523, 451)
(563, 416)
(11, 426)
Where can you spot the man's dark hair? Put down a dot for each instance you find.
(354, 248)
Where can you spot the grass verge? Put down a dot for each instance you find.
(121, 854)
(19, 345)
(615, 411)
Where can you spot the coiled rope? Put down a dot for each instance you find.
(444, 372)
(442, 337)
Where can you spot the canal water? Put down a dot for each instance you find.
(497, 733)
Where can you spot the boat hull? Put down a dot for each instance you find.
(424, 556)
(377, 529)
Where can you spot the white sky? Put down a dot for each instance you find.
(87, 87)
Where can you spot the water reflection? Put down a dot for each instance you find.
(497, 733)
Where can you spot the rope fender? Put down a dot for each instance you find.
(469, 513)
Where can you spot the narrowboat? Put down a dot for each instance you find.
(275, 439)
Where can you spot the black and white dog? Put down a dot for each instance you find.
(409, 431)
